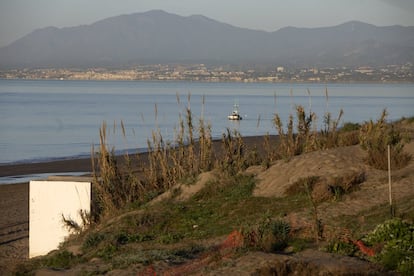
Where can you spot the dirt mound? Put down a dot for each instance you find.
(182, 192)
(328, 164)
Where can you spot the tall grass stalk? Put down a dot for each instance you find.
(329, 137)
(233, 160)
(376, 136)
(112, 187)
(317, 225)
(295, 142)
(184, 157)
(205, 144)
(302, 135)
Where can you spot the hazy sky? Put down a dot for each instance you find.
(20, 17)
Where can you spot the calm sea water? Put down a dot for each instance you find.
(44, 120)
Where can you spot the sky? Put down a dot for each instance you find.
(20, 17)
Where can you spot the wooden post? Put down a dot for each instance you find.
(389, 182)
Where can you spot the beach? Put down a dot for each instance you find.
(14, 225)
(59, 166)
(14, 207)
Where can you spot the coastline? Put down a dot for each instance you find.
(56, 166)
(85, 164)
(284, 81)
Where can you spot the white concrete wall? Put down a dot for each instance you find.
(48, 200)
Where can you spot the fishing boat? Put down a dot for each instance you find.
(235, 114)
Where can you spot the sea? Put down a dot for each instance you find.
(44, 120)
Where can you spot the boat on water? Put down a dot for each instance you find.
(235, 114)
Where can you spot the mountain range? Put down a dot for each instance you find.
(160, 37)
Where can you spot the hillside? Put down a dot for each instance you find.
(160, 37)
(216, 223)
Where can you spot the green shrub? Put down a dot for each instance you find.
(340, 247)
(397, 239)
(57, 260)
(348, 126)
(92, 240)
(61, 260)
(107, 252)
(169, 238)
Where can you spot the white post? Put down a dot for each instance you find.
(389, 179)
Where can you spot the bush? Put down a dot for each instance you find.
(92, 240)
(295, 142)
(375, 138)
(268, 236)
(348, 126)
(349, 134)
(61, 260)
(397, 238)
(340, 247)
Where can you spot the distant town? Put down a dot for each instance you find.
(227, 73)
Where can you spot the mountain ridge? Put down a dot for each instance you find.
(160, 37)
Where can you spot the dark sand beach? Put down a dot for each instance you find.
(14, 207)
(14, 225)
(59, 166)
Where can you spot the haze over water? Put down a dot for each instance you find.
(44, 120)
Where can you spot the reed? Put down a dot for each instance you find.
(374, 139)
(205, 146)
(317, 223)
(286, 148)
(329, 135)
(301, 134)
(295, 142)
(179, 152)
(233, 149)
(191, 165)
(269, 153)
(157, 174)
(185, 157)
(116, 183)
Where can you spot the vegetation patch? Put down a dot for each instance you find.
(375, 137)
(396, 239)
(268, 235)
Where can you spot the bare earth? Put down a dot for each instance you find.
(272, 182)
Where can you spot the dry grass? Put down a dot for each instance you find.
(376, 136)
(191, 153)
(186, 157)
(301, 135)
(114, 186)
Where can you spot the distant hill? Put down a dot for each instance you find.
(160, 37)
